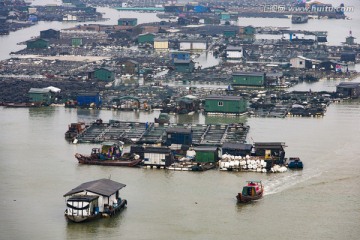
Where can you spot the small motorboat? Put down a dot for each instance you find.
(295, 163)
(253, 190)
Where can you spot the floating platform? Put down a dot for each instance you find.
(153, 133)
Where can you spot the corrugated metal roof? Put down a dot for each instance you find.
(39, 90)
(236, 146)
(104, 187)
(219, 97)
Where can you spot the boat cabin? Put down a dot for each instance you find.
(109, 150)
(93, 198)
(252, 188)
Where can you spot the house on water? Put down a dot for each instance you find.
(349, 89)
(50, 34)
(154, 156)
(37, 44)
(130, 67)
(102, 74)
(180, 136)
(40, 96)
(237, 149)
(184, 66)
(93, 199)
(89, 99)
(146, 38)
(274, 152)
(249, 79)
(225, 104)
(127, 21)
(207, 154)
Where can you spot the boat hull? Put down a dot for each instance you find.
(116, 162)
(244, 199)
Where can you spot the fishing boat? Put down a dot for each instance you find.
(253, 190)
(94, 199)
(110, 154)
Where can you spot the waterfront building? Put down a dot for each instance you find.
(102, 74)
(37, 44)
(146, 38)
(184, 65)
(76, 42)
(177, 135)
(193, 45)
(234, 52)
(40, 95)
(237, 149)
(127, 21)
(130, 67)
(161, 44)
(248, 79)
(50, 34)
(207, 154)
(225, 104)
(349, 89)
(87, 99)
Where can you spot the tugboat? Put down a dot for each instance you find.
(110, 154)
(253, 190)
(94, 199)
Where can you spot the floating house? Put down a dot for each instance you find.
(157, 156)
(248, 79)
(225, 104)
(146, 38)
(237, 149)
(184, 65)
(180, 55)
(349, 89)
(234, 52)
(89, 99)
(76, 42)
(102, 74)
(93, 199)
(271, 151)
(161, 44)
(229, 33)
(348, 57)
(50, 34)
(193, 45)
(127, 21)
(175, 8)
(301, 62)
(40, 96)
(207, 154)
(188, 103)
(130, 67)
(37, 44)
(181, 136)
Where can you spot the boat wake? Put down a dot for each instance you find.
(281, 182)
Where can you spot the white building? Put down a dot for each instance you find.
(193, 45)
(234, 52)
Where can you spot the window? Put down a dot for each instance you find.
(301, 62)
(220, 104)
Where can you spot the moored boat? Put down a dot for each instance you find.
(110, 154)
(253, 190)
(295, 163)
(94, 199)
